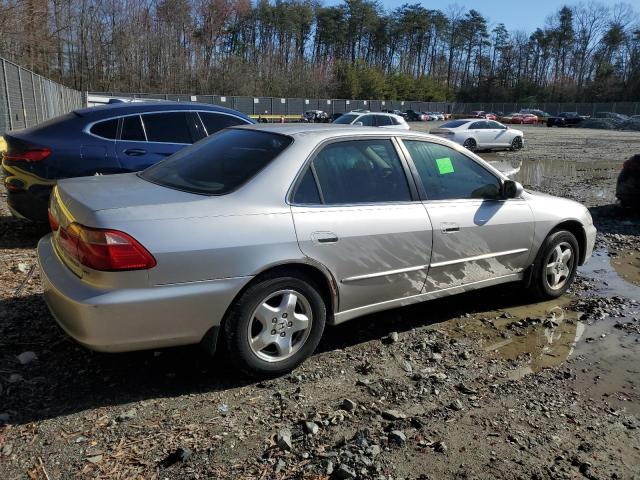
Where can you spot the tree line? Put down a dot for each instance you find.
(302, 48)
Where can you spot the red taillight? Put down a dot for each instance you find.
(32, 155)
(53, 221)
(106, 250)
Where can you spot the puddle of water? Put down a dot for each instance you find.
(608, 281)
(547, 334)
(627, 264)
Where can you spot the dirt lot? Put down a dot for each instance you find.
(487, 385)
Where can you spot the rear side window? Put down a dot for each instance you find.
(218, 164)
(169, 127)
(132, 129)
(214, 122)
(366, 120)
(361, 171)
(478, 126)
(383, 120)
(107, 129)
(307, 192)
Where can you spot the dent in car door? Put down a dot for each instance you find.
(376, 253)
(477, 235)
(476, 240)
(376, 250)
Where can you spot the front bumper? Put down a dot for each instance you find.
(590, 237)
(118, 320)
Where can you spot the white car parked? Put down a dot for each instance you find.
(477, 134)
(369, 119)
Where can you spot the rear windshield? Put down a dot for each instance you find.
(454, 124)
(218, 164)
(346, 119)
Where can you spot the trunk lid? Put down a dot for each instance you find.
(87, 195)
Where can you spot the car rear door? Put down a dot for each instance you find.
(479, 131)
(148, 138)
(356, 212)
(478, 236)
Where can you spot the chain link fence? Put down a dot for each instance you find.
(296, 106)
(27, 98)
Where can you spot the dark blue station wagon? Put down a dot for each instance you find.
(101, 140)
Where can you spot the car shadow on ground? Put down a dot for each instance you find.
(16, 233)
(67, 378)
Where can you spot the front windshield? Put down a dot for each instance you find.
(346, 119)
(220, 163)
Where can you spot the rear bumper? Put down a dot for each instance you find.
(129, 319)
(30, 204)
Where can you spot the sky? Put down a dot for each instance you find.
(524, 15)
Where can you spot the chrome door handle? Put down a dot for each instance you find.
(324, 237)
(449, 227)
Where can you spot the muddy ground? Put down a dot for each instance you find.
(486, 385)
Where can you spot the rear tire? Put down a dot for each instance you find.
(470, 144)
(555, 266)
(274, 325)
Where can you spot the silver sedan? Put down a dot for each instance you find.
(477, 134)
(254, 239)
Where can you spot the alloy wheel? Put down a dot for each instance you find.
(470, 144)
(280, 325)
(559, 266)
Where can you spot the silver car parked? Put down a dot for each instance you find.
(475, 134)
(258, 236)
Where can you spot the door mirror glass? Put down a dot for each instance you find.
(358, 124)
(511, 189)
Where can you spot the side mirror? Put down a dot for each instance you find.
(511, 189)
(358, 123)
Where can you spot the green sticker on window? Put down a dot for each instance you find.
(444, 165)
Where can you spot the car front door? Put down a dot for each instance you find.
(478, 235)
(356, 213)
(148, 138)
(501, 135)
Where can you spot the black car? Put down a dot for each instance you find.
(413, 116)
(565, 119)
(628, 186)
(115, 138)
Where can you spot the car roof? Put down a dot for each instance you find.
(115, 109)
(325, 131)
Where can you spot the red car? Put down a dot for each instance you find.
(524, 119)
(490, 116)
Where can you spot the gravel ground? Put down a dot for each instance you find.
(488, 386)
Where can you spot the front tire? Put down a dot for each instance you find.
(555, 267)
(516, 143)
(274, 325)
